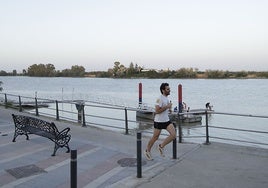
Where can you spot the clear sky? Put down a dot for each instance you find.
(160, 34)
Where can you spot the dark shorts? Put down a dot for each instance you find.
(161, 125)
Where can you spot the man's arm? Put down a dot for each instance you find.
(159, 109)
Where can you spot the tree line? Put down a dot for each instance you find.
(132, 71)
(48, 70)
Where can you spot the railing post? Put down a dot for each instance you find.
(36, 107)
(57, 110)
(180, 129)
(5, 100)
(175, 143)
(83, 115)
(126, 121)
(139, 162)
(207, 131)
(73, 168)
(20, 108)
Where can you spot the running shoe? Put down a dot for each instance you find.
(161, 150)
(148, 155)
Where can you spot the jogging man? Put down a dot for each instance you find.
(161, 121)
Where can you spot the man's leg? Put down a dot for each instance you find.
(153, 139)
(150, 144)
(171, 137)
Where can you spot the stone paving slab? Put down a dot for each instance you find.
(99, 152)
(98, 156)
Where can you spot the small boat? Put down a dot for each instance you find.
(185, 118)
(191, 118)
(143, 111)
(198, 111)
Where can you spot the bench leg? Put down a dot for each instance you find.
(56, 147)
(68, 149)
(14, 137)
(19, 132)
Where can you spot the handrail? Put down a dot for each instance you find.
(243, 115)
(8, 100)
(234, 129)
(221, 113)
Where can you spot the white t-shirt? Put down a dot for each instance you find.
(162, 117)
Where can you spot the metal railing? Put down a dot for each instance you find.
(236, 130)
(88, 113)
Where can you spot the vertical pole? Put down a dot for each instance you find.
(83, 115)
(180, 132)
(73, 168)
(180, 111)
(5, 100)
(126, 121)
(139, 170)
(180, 97)
(20, 108)
(57, 110)
(36, 107)
(79, 114)
(207, 132)
(140, 93)
(175, 143)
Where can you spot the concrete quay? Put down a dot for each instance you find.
(107, 159)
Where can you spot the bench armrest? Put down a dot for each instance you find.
(63, 133)
(63, 138)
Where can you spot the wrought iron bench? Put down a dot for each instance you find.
(25, 125)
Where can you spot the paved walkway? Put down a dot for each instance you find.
(101, 153)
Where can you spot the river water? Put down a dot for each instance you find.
(239, 96)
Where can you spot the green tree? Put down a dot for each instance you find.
(151, 74)
(241, 74)
(217, 74)
(41, 70)
(122, 71)
(50, 70)
(116, 68)
(66, 73)
(77, 71)
(131, 70)
(262, 74)
(3, 73)
(185, 73)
